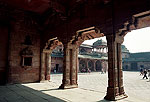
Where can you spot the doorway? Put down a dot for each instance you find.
(57, 67)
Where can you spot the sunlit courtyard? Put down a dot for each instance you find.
(92, 88)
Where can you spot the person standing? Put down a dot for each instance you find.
(149, 74)
(141, 71)
(145, 74)
(102, 71)
(89, 70)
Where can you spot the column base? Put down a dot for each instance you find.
(44, 81)
(68, 86)
(48, 77)
(113, 94)
(119, 97)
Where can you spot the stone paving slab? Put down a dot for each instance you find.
(92, 88)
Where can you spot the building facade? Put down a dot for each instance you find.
(92, 57)
(95, 58)
(136, 61)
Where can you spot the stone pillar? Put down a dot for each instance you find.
(106, 50)
(73, 66)
(100, 50)
(87, 64)
(69, 67)
(115, 83)
(120, 72)
(42, 74)
(48, 66)
(103, 50)
(94, 65)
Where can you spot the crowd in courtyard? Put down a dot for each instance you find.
(145, 73)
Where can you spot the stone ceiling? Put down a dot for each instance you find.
(40, 6)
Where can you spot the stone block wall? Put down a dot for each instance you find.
(18, 73)
(57, 60)
(3, 54)
(146, 65)
(127, 65)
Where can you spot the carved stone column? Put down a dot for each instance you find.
(94, 65)
(48, 66)
(69, 67)
(42, 74)
(115, 83)
(87, 64)
(120, 72)
(73, 65)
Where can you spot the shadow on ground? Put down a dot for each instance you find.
(21, 93)
(104, 101)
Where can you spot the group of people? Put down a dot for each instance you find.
(85, 70)
(103, 71)
(144, 72)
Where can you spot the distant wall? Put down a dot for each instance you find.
(57, 60)
(127, 65)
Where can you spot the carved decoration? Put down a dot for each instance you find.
(86, 34)
(51, 44)
(27, 52)
(133, 23)
(27, 56)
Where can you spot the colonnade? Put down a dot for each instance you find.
(101, 49)
(100, 65)
(115, 87)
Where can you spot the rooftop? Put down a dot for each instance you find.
(86, 46)
(124, 49)
(99, 42)
(139, 57)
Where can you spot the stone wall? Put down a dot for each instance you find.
(57, 60)
(3, 53)
(18, 73)
(125, 55)
(146, 65)
(127, 65)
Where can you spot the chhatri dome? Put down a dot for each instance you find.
(99, 42)
(124, 49)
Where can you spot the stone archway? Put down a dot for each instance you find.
(98, 65)
(57, 59)
(91, 65)
(70, 67)
(82, 66)
(46, 58)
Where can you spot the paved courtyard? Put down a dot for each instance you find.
(92, 88)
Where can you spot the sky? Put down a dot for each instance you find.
(135, 41)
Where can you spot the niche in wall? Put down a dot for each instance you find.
(27, 56)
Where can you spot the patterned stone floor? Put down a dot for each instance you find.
(92, 88)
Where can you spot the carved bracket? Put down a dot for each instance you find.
(133, 23)
(51, 44)
(85, 34)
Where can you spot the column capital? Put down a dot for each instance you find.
(70, 46)
(114, 38)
